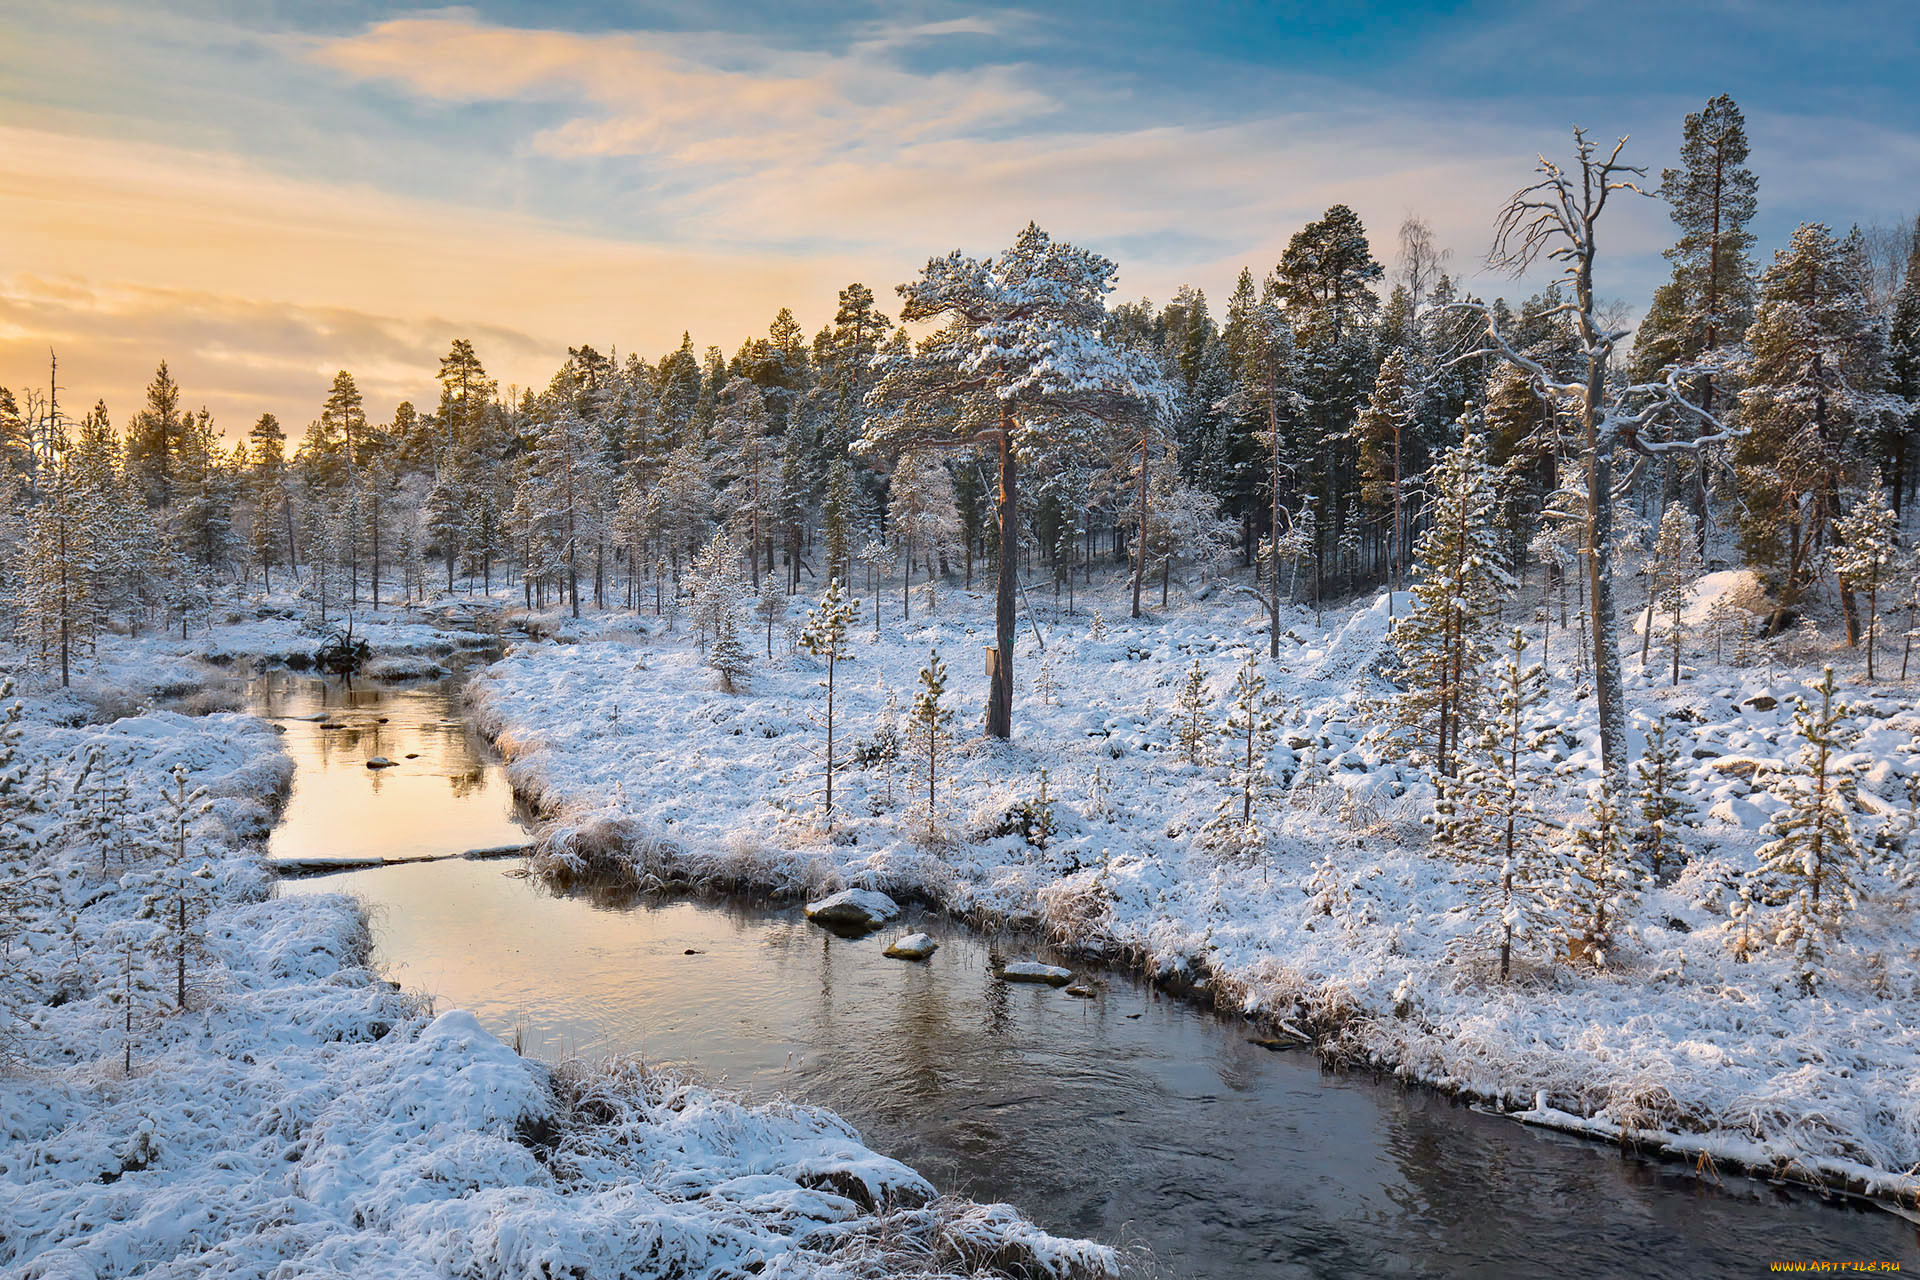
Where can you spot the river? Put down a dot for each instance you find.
(1132, 1118)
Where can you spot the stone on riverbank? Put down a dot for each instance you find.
(1033, 971)
(853, 909)
(915, 946)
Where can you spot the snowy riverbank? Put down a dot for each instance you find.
(1352, 929)
(302, 1116)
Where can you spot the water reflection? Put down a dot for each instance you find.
(1130, 1117)
(444, 793)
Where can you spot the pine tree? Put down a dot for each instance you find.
(1486, 819)
(1597, 891)
(921, 516)
(1384, 431)
(1021, 360)
(1247, 737)
(1664, 807)
(1814, 374)
(1461, 582)
(1675, 562)
(930, 721)
(1866, 550)
(826, 636)
(176, 887)
(1809, 864)
(716, 590)
(771, 606)
(730, 659)
(1046, 683)
(1193, 723)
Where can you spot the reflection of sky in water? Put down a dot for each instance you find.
(1129, 1117)
(452, 797)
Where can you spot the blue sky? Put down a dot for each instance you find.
(263, 193)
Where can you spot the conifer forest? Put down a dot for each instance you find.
(1408, 765)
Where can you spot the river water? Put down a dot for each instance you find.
(1131, 1118)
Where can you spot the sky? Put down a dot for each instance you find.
(264, 192)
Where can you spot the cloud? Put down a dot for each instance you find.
(691, 99)
(256, 287)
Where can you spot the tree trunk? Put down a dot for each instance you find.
(1140, 540)
(1000, 696)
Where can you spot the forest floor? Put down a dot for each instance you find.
(303, 1116)
(1353, 930)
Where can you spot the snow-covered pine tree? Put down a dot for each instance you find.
(826, 636)
(1866, 552)
(930, 728)
(1046, 683)
(1193, 721)
(729, 658)
(1598, 887)
(716, 589)
(1813, 372)
(1485, 817)
(1808, 865)
(1676, 562)
(101, 819)
(176, 886)
(1461, 581)
(1384, 434)
(922, 518)
(771, 605)
(1663, 805)
(1023, 359)
(1246, 739)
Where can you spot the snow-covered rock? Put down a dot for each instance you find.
(1034, 971)
(853, 909)
(915, 946)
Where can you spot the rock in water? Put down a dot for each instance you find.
(1083, 990)
(915, 946)
(860, 910)
(1033, 971)
(379, 762)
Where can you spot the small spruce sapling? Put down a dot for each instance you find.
(1247, 738)
(1597, 890)
(1664, 808)
(1485, 816)
(177, 887)
(1808, 865)
(771, 605)
(930, 727)
(1046, 683)
(825, 636)
(1193, 721)
(730, 659)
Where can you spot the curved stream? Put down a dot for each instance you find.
(1131, 1118)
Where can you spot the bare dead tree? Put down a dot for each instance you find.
(1556, 218)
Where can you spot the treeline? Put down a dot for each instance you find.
(1303, 418)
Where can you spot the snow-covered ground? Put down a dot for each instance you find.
(1353, 928)
(304, 1117)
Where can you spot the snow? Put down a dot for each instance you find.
(1351, 928)
(1035, 971)
(306, 1117)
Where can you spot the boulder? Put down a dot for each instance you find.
(915, 946)
(853, 909)
(1033, 971)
